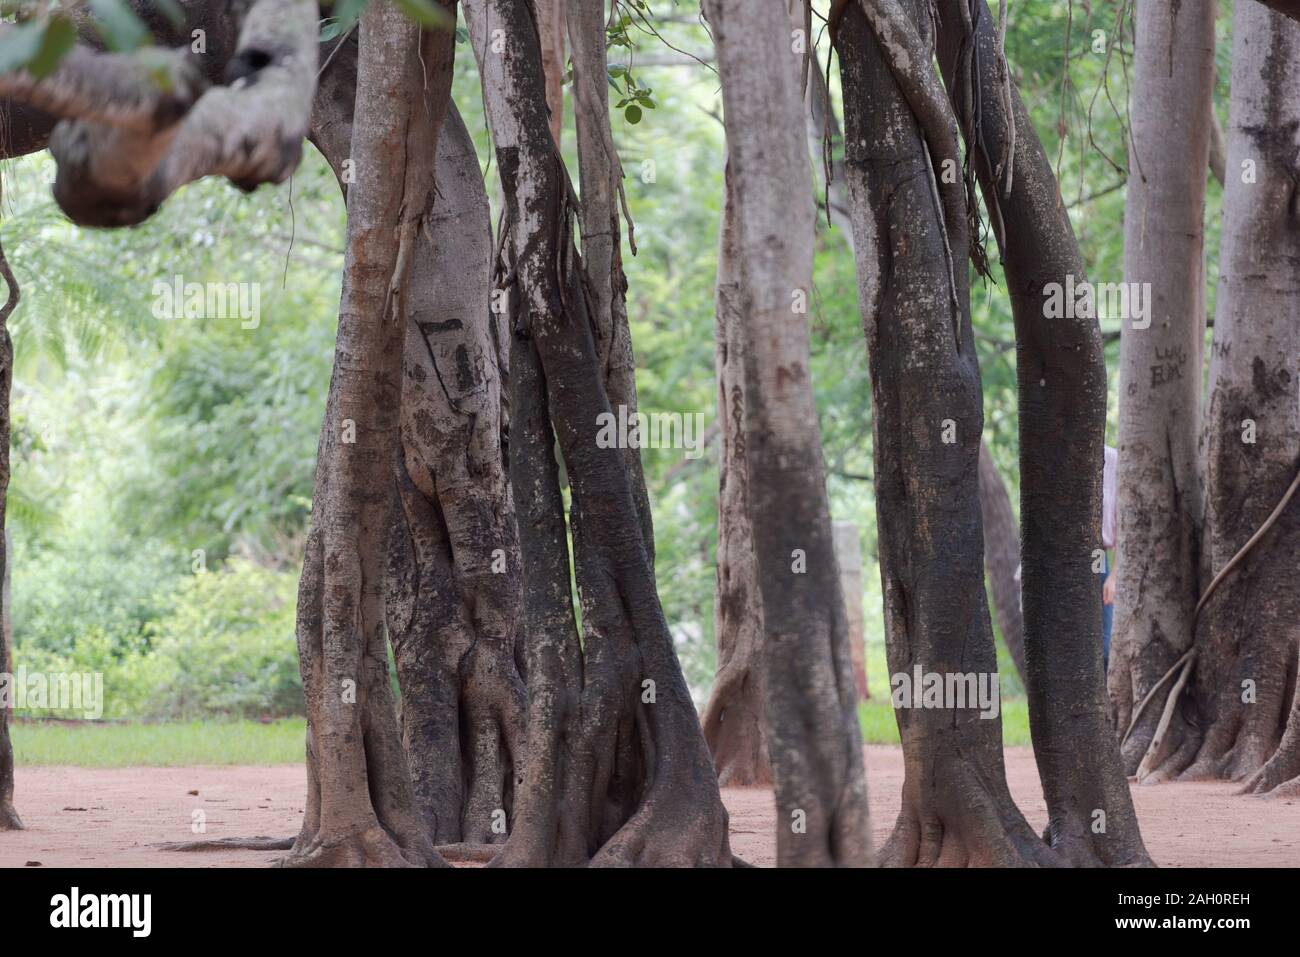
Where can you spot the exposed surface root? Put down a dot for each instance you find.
(231, 844)
(370, 848)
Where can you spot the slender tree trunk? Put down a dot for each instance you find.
(616, 769)
(360, 803)
(1002, 556)
(9, 819)
(1160, 371)
(1062, 387)
(848, 555)
(927, 420)
(809, 699)
(734, 724)
(1249, 631)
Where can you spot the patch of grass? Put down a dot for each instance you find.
(104, 744)
(880, 727)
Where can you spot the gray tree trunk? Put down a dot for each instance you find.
(1249, 633)
(810, 704)
(1160, 371)
(617, 770)
(9, 819)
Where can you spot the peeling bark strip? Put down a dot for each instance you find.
(1243, 691)
(734, 724)
(616, 770)
(251, 131)
(956, 809)
(9, 819)
(1062, 388)
(1160, 366)
(352, 736)
(810, 701)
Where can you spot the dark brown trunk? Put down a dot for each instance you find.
(927, 419)
(9, 819)
(1062, 394)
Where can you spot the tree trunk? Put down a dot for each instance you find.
(616, 768)
(927, 420)
(550, 29)
(360, 803)
(1249, 631)
(809, 701)
(1160, 371)
(9, 819)
(1002, 556)
(734, 725)
(1061, 377)
(848, 555)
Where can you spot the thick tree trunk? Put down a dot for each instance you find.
(734, 724)
(360, 803)
(927, 420)
(454, 578)
(809, 699)
(453, 599)
(9, 819)
(1249, 632)
(616, 769)
(1002, 556)
(1160, 373)
(1062, 387)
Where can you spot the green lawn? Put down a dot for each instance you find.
(879, 726)
(102, 744)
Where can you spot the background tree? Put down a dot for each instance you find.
(810, 702)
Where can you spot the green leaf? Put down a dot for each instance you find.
(632, 114)
(21, 46)
(121, 29)
(427, 13)
(60, 37)
(330, 28)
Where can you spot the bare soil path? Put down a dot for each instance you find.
(80, 817)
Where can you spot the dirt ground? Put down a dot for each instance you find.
(80, 817)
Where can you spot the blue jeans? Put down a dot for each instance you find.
(1107, 613)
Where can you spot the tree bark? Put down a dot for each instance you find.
(9, 819)
(453, 595)
(956, 808)
(1062, 387)
(1002, 556)
(734, 723)
(809, 700)
(360, 802)
(1160, 378)
(550, 28)
(616, 768)
(1244, 678)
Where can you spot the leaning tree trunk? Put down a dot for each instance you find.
(1002, 556)
(1160, 375)
(1249, 634)
(927, 421)
(453, 599)
(810, 701)
(9, 819)
(1061, 376)
(616, 769)
(360, 803)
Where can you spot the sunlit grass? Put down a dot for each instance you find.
(100, 744)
